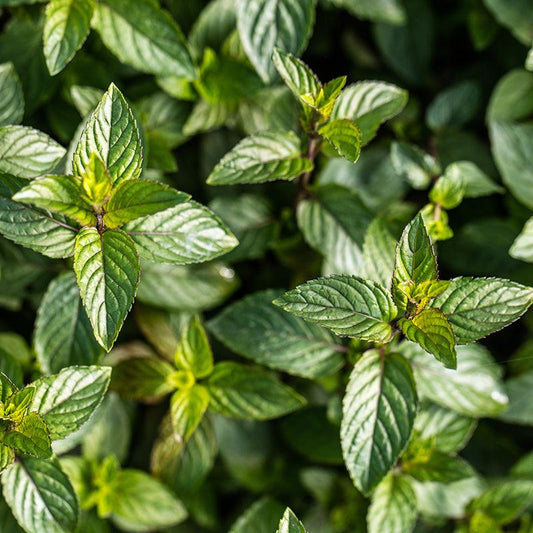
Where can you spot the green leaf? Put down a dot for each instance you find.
(7, 387)
(140, 503)
(27, 153)
(30, 437)
(260, 158)
(438, 467)
(515, 15)
(244, 392)
(298, 77)
(60, 194)
(12, 105)
(107, 268)
(17, 404)
(369, 104)
(187, 408)
(477, 307)
(68, 399)
(389, 11)
(40, 496)
(415, 259)
(474, 389)
(30, 227)
(522, 247)
(431, 330)
(289, 523)
(393, 506)
(379, 250)
(194, 352)
(519, 391)
(184, 234)
(85, 99)
(96, 181)
(111, 133)
(379, 411)
(413, 164)
(65, 30)
(144, 36)
(265, 334)
(475, 182)
(261, 517)
(344, 137)
(348, 305)
(448, 191)
(7, 457)
(265, 25)
(512, 99)
(134, 199)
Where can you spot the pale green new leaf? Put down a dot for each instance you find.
(27, 153)
(263, 157)
(298, 77)
(439, 467)
(289, 523)
(379, 411)
(68, 399)
(40, 496)
(135, 199)
(17, 404)
(522, 247)
(143, 35)
(107, 269)
(477, 307)
(268, 24)
(184, 234)
(30, 437)
(60, 194)
(393, 506)
(244, 392)
(12, 98)
(344, 137)
(448, 191)
(187, 408)
(264, 333)
(194, 352)
(348, 305)
(96, 181)
(7, 456)
(31, 227)
(111, 132)
(475, 182)
(66, 27)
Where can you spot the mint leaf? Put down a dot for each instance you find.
(96, 181)
(379, 251)
(477, 307)
(40, 496)
(244, 392)
(135, 199)
(27, 153)
(475, 182)
(448, 191)
(260, 158)
(289, 523)
(389, 11)
(413, 164)
(68, 399)
(7, 456)
(264, 333)
(288, 28)
(144, 36)
(439, 467)
(393, 506)
(518, 389)
(30, 437)
(111, 133)
(379, 411)
(187, 407)
(522, 247)
(194, 352)
(60, 194)
(85, 98)
(348, 305)
(344, 137)
(186, 233)
(107, 268)
(512, 15)
(12, 105)
(65, 30)
(262, 516)
(298, 77)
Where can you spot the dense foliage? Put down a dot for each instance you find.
(298, 329)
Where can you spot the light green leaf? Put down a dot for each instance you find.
(369, 104)
(344, 137)
(413, 164)
(529, 60)
(379, 250)
(7, 456)
(144, 36)
(85, 98)
(522, 247)
(17, 404)
(512, 98)
(415, 259)
(206, 117)
(266, 24)
(30, 437)
(264, 333)
(194, 352)
(68, 399)
(348, 305)
(474, 389)
(186, 233)
(60, 194)
(261, 517)
(259, 158)
(244, 392)
(31, 227)
(111, 132)
(187, 408)
(519, 390)
(389, 11)
(477, 307)
(134, 199)
(40, 496)
(393, 506)
(448, 191)
(379, 411)
(298, 77)
(107, 268)
(65, 30)
(289, 523)
(474, 181)
(27, 153)
(96, 181)
(431, 330)
(439, 467)
(12, 98)
(515, 15)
